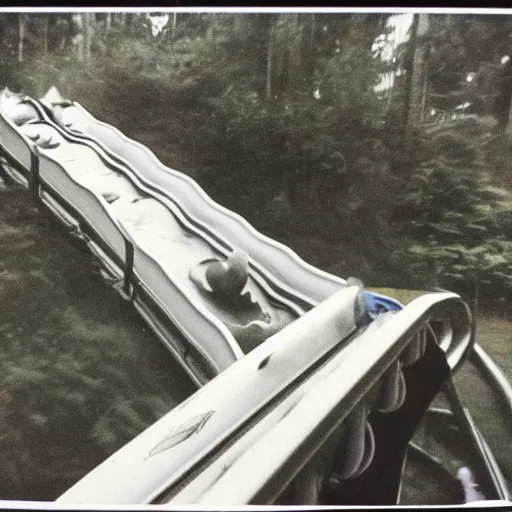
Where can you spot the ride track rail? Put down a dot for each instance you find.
(288, 396)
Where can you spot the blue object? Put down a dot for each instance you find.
(370, 305)
(376, 304)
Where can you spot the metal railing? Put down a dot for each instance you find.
(269, 413)
(491, 370)
(305, 420)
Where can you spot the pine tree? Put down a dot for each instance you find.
(456, 219)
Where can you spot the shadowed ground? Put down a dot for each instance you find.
(80, 373)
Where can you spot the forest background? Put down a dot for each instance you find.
(368, 153)
(374, 145)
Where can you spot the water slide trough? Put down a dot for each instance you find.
(292, 362)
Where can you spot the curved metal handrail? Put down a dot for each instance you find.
(482, 456)
(285, 423)
(310, 416)
(214, 414)
(488, 469)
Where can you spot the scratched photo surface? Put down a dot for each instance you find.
(376, 146)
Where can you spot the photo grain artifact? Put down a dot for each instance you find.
(255, 257)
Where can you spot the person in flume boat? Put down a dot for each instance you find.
(228, 278)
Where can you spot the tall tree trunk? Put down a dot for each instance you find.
(78, 39)
(4, 24)
(502, 110)
(270, 58)
(508, 128)
(129, 19)
(416, 72)
(173, 30)
(174, 23)
(295, 42)
(259, 30)
(88, 34)
(69, 40)
(308, 52)
(45, 32)
(238, 21)
(409, 65)
(424, 92)
(21, 35)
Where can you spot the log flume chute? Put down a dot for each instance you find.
(302, 374)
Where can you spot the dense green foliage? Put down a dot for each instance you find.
(456, 217)
(80, 375)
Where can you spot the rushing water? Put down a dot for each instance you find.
(80, 373)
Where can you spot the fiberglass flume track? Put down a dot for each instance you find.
(278, 269)
(277, 262)
(89, 214)
(279, 266)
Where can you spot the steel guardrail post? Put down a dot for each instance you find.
(128, 267)
(34, 180)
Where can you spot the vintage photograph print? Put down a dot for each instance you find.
(255, 257)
